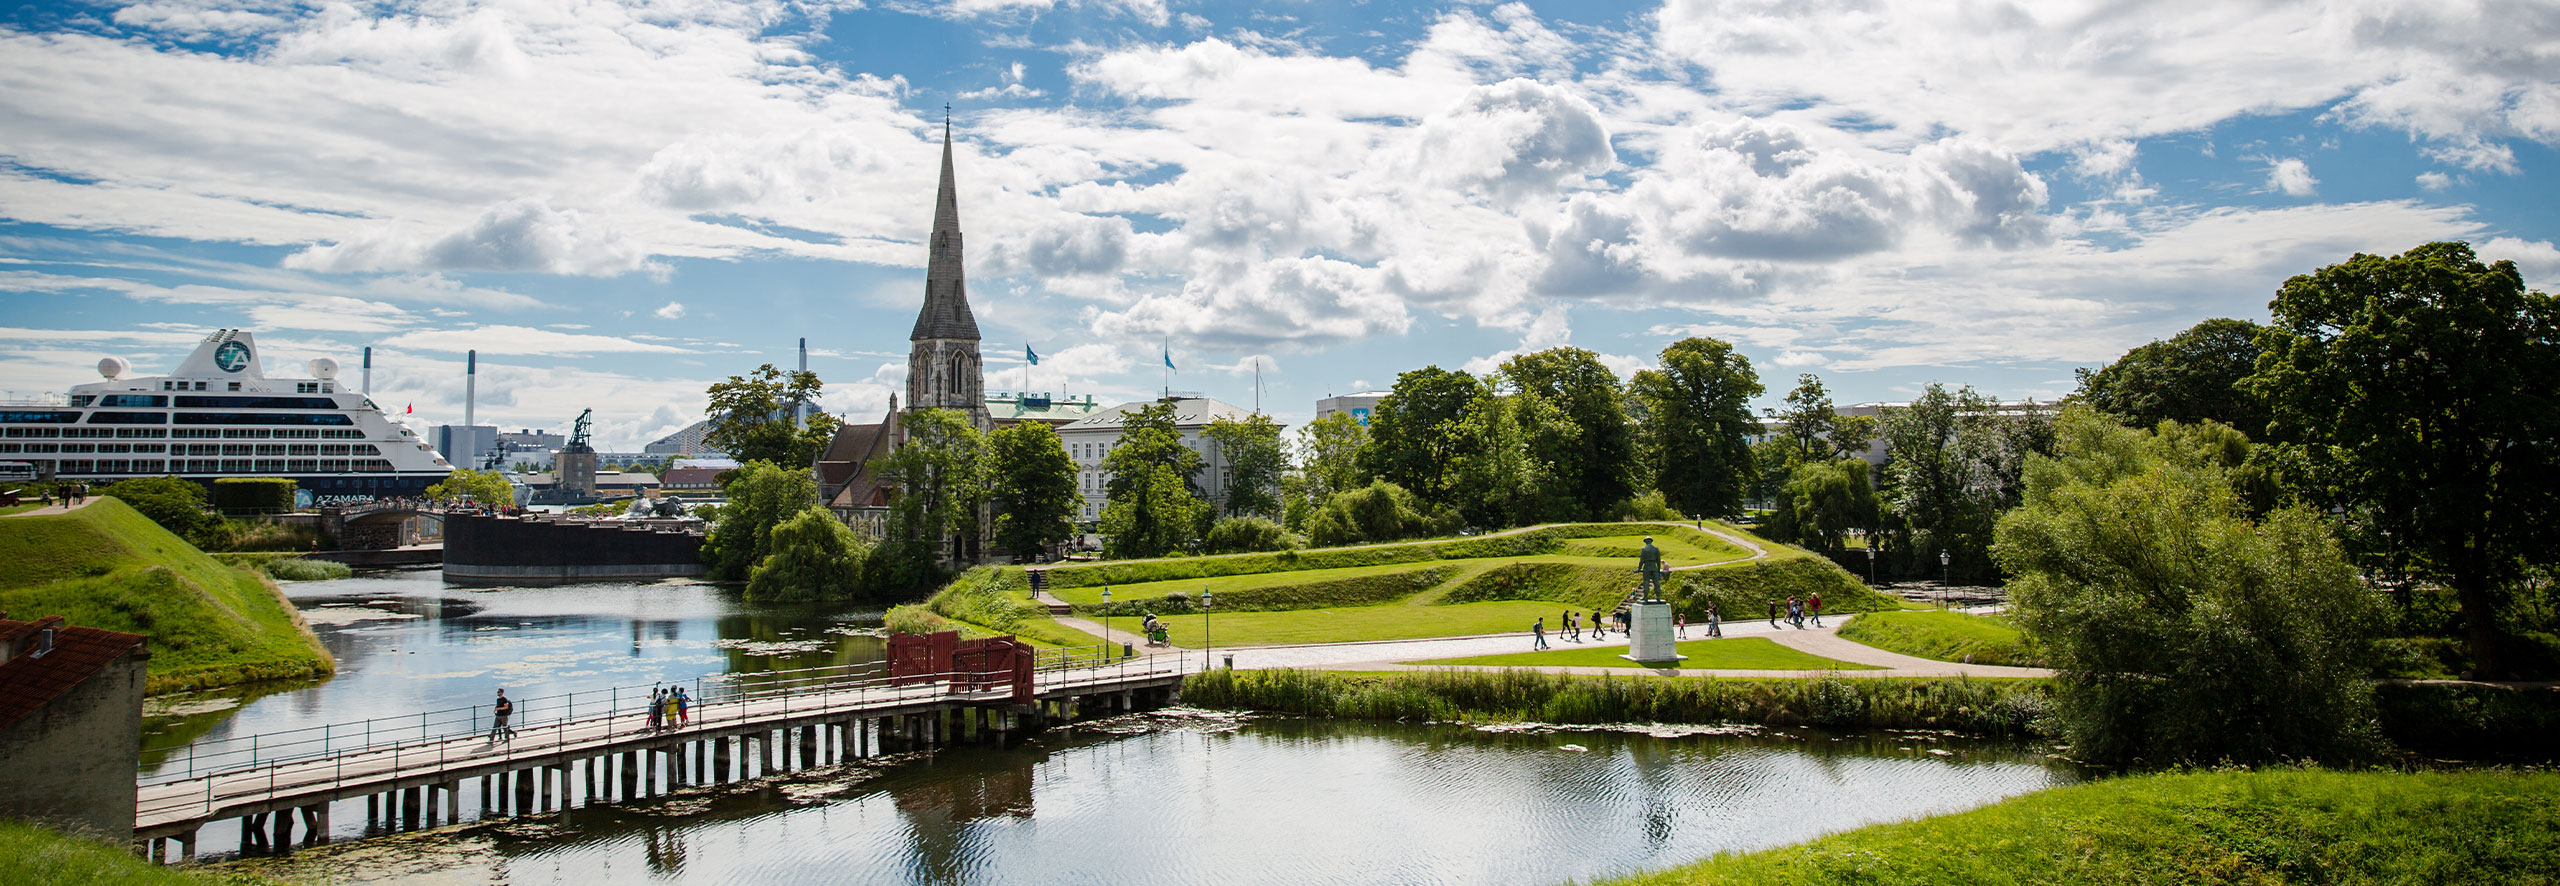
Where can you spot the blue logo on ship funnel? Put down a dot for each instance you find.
(232, 356)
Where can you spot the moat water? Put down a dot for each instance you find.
(1183, 796)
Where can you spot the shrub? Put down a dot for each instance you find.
(1380, 511)
(1245, 535)
(1650, 506)
(253, 495)
(303, 569)
(224, 534)
(1987, 707)
(177, 505)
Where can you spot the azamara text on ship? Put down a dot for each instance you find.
(219, 415)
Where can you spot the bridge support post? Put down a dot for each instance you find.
(315, 821)
(284, 832)
(372, 810)
(187, 845)
(434, 811)
(409, 801)
(522, 796)
(453, 802)
(250, 836)
(720, 758)
(630, 775)
(809, 746)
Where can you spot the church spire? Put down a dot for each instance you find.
(946, 292)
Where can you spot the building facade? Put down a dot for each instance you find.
(1090, 440)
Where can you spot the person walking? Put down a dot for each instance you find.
(1773, 613)
(684, 708)
(1795, 612)
(499, 711)
(1538, 631)
(1599, 629)
(657, 707)
(1715, 623)
(1814, 603)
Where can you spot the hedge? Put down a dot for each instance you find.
(253, 495)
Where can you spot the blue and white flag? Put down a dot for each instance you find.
(1031, 355)
(1168, 358)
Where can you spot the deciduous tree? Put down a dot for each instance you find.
(2418, 390)
(2192, 377)
(815, 557)
(762, 495)
(1579, 440)
(754, 417)
(1032, 483)
(1698, 424)
(935, 514)
(2182, 631)
(488, 488)
(1254, 459)
(1154, 508)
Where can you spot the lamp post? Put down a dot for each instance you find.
(1946, 576)
(1107, 642)
(1871, 561)
(1205, 653)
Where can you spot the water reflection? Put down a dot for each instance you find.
(406, 644)
(1268, 801)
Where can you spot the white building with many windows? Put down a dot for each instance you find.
(1090, 439)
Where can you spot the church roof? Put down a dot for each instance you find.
(946, 290)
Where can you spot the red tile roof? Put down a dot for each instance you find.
(29, 682)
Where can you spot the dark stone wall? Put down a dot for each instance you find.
(70, 764)
(515, 551)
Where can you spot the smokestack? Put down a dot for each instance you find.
(368, 371)
(800, 413)
(470, 386)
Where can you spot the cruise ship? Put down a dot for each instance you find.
(219, 415)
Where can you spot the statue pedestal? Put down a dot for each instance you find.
(1650, 640)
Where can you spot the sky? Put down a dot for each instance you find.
(620, 204)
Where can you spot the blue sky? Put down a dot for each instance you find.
(620, 204)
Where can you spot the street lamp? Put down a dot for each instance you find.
(1106, 620)
(1871, 561)
(1946, 576)
(1205, 599)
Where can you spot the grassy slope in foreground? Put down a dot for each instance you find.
(1943, 636)
(2280, 826)
(992, 600)
(106, 566)
(1732, 654)
(36, 855)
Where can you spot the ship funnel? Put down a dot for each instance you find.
(470, 386)
(368, 371)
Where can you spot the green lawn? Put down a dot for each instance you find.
(20, 508)
(2229, 827)
(1943, 636)
(37, 855)
(1123, 593)
(1731, 653)
(1392, 621)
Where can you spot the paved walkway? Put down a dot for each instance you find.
(58, 506)
(1389, 655)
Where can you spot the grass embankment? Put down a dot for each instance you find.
(2268, 827)
(1984, 707)
(988, 601)
(1944, 636)
(1731, 654)
(39, 856)
(1447, 587)
(106, 566)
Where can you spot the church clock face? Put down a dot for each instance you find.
(232, 356)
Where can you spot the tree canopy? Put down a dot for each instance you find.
(753, 417)
(1697, 425)
(1032, 483)
(488, 488)
(1329, 463)
(2418, 391)
(814, 557)
(1580, 441)
(761, 496)
(1154, 509)
(935, 514)
(2194, 376)
(1254, 459)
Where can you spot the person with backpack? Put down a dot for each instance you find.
(1538, 632)
(499, 712)
(1814, 603)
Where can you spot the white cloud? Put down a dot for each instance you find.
(524, 340)
(515, 235)
(2434, 181)
(2291, 177)
(670, 311)
(2537, 260)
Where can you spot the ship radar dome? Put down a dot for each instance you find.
(323, 367)
(114, 366)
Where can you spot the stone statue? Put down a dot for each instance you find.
(1649, 563)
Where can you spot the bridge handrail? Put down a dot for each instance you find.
(294, 746)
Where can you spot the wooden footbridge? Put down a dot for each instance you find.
(600, 747)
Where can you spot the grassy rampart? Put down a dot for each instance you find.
(1944, 636)
(2267, 827)
(107, 566)
(1543, 540)
(988, 601)
(1987, 707)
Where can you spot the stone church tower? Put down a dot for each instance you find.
(943, 370)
